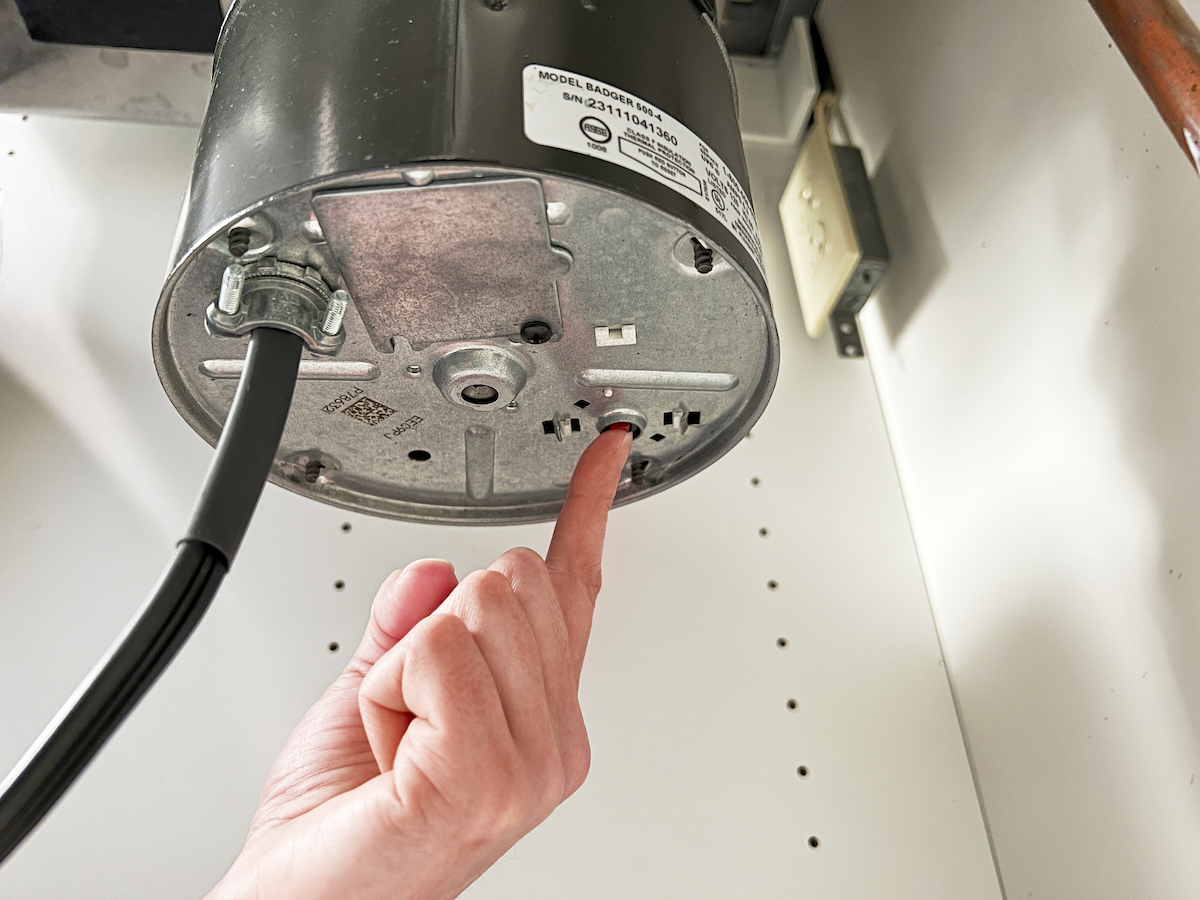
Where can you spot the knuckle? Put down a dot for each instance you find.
(591, 581)
(516, 798)
(554, 786)
(524, 558)
(576, 770)
(577, 757)
(523, 792)
(488, 591)
(444, 634)
(506, 806)
(488, 584)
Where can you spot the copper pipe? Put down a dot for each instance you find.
(1162, 45)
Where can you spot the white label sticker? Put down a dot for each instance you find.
(574, 112)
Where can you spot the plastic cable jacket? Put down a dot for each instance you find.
(246, 453)
(167, 619)
(110, 691)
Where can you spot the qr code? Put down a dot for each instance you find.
(368, 411)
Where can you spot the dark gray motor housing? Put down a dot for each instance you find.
(507, 296)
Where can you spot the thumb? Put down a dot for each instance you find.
(328, 752)
(404, 599)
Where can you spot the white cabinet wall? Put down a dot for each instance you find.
(1036, 348)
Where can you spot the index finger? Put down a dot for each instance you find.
(578, 543)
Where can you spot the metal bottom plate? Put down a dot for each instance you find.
(688, 358)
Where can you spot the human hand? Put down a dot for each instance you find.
(453, 731)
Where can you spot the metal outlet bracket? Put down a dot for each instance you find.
(846, 335)
(281, 295)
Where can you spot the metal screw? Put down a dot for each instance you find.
(704, 257)
(232, 283)
(414, 370)
(239, 241)
(312, 471)
(536, 332)
(335, 312)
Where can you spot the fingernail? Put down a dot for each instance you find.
(394, 577)
(412, 566)
(428, 562)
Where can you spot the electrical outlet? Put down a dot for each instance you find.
(818, 226)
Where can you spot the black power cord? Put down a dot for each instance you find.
(167, 619)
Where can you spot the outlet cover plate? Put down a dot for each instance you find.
(818, 227)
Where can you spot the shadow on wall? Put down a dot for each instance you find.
(1022, 674)
(1029, 96)
(1146, 352)
(1147, 355)
(84, 324)
(918, 258)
